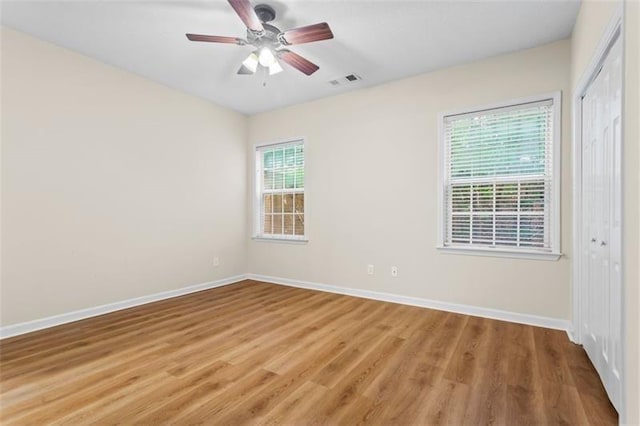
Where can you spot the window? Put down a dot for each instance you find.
(280, 191)
(500, 179)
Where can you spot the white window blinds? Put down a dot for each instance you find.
(280, 191)
(498, 178)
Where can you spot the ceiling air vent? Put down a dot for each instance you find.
(351, 78)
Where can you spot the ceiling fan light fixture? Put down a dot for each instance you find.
(251, 63)
(275, 68)
(266, 57)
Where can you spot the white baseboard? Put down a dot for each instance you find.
(39, 324)
(497, 314)
(573, 337)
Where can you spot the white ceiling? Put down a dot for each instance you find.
(376, 39)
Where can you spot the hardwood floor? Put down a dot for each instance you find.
(256, 353)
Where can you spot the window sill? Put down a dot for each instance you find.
(500, 252)
(280, 240)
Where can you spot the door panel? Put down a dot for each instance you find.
(600, 279)
(615, 232)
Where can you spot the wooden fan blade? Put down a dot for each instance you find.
(245, 11)
(213, 39)
(298, 62)
(307, 34)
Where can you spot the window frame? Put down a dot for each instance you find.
(257, 194)
(555, 252)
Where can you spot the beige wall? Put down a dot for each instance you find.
(593, 19)
(112, 186)
(372, 184)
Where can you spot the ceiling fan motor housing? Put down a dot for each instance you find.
(269, 37)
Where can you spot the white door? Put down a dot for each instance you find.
(601, 280)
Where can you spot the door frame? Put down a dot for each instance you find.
(611, 34)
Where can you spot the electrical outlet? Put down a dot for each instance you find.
(370, 269)
(216, 261)
(394, 271)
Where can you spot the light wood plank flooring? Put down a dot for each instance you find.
(256, 353)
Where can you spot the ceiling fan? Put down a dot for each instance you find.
(270, 43)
